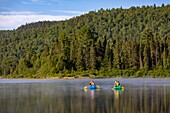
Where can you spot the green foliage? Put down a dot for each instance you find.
(132, 42)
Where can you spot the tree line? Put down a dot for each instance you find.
(132, 42)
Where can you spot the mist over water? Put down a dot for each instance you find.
(69, 96)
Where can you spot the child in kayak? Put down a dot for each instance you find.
(92, 86)
(117, 86)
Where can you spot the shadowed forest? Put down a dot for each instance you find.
(132, 42)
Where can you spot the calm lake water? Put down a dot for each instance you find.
(68, 96)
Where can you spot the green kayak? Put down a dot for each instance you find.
(118, 87)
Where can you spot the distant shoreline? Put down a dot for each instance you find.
(51, 78)
(74, 78)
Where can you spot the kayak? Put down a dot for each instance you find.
(118, 87)
(92, 87)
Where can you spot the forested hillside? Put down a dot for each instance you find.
(132, 42)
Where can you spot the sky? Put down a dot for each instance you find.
(14, 13)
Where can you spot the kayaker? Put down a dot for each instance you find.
(117, 86)
(116, 83)
(92, 83)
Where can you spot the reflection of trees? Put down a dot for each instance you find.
(117, 93)
(48, 99)
(149, 100)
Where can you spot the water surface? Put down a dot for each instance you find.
(68, 96)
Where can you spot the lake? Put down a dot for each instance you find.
(148, 95)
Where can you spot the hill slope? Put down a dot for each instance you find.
(115, 42)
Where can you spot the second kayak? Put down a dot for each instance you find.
(118, 87)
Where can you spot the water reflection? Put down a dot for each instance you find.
(91, 92)
(118, 93)
(70, 97)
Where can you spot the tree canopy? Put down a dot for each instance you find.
(132, 42)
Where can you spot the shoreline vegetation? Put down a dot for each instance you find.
(133, 42)
(99, 75)
(74, 78)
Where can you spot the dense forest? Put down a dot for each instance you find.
(132, 42)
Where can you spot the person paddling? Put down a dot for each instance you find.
(117, 85)
(92, 85)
